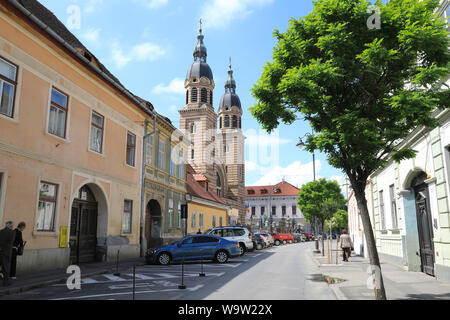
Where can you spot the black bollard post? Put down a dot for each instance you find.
(202, 273)
(117, 264)
(182, 285)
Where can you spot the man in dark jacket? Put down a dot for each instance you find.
(7, 237)
(18, 243)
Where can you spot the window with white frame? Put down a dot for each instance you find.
(200, 220)
(393, 207)
(97, 128)
(214, 220)
(220, 221)
(161, 154)
(180, 165)
(149, 151)
(172, 167)
(127, 217)
(48, 197)
(171, 214)
(193, 222)
(382, 217)
(131, 149)
(8, 83)
(57, 122)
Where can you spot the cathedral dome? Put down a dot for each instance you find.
(200, 69)
(230, 98)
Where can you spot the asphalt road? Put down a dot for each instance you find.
(279, 273)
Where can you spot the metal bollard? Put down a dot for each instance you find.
(117, 264)
(202, 273)
(182, 286)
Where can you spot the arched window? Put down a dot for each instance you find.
(194, 95)
(219, 185)
(235, 122)
(220, 123)
(187, 96)
(227, 121)
(204, 95)
(211, 97)
(240, 124)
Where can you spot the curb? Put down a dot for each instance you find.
(337, 291)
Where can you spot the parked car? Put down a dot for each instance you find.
(281, 238)
(288, 238)
(196, 247)
(298, 237)
(259, 242)
(277, 238)
(268, 238)
(237, 234)
(308, 236)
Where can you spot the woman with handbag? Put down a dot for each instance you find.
(18, 247)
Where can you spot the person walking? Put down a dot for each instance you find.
(18, 246)
(346, 245)
(7, 237)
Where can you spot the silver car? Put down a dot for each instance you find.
(237, 234)
(268, 239)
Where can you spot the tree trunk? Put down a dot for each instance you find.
(360, 194)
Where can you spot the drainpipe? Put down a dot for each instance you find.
(144, 156)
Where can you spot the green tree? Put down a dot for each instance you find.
(362, 90)
(320, 199)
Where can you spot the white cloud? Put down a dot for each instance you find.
(296, 173)
(138, 53)
(175, 86)
(153, 4)
(218, 14)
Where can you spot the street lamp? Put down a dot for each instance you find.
(301, 145)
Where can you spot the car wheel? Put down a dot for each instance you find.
(242, 247)
(284, 242)
(221, 257)
(277, 243)
(164, 259)
(259, 246)
(290, 241)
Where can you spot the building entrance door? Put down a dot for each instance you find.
(83, 228)
(424, 224)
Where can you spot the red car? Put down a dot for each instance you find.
(282, 238)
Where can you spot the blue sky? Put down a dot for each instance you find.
(148, 46)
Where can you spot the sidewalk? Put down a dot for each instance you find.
(42, 279)
(399, 284)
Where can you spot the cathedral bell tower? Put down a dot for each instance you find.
(233, 141)
(198, 119)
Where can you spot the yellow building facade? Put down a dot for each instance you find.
(70, 145)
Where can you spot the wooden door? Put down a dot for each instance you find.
(83, 232)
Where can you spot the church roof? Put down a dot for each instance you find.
(281, 189)
(195, 189)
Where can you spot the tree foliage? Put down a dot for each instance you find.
(361, 90)
(320, 199)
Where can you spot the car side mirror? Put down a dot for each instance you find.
(179, 244)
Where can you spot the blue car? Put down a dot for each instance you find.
(196, 247)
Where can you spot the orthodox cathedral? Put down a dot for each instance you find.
(216, 142)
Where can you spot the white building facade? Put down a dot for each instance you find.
(274, 208)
